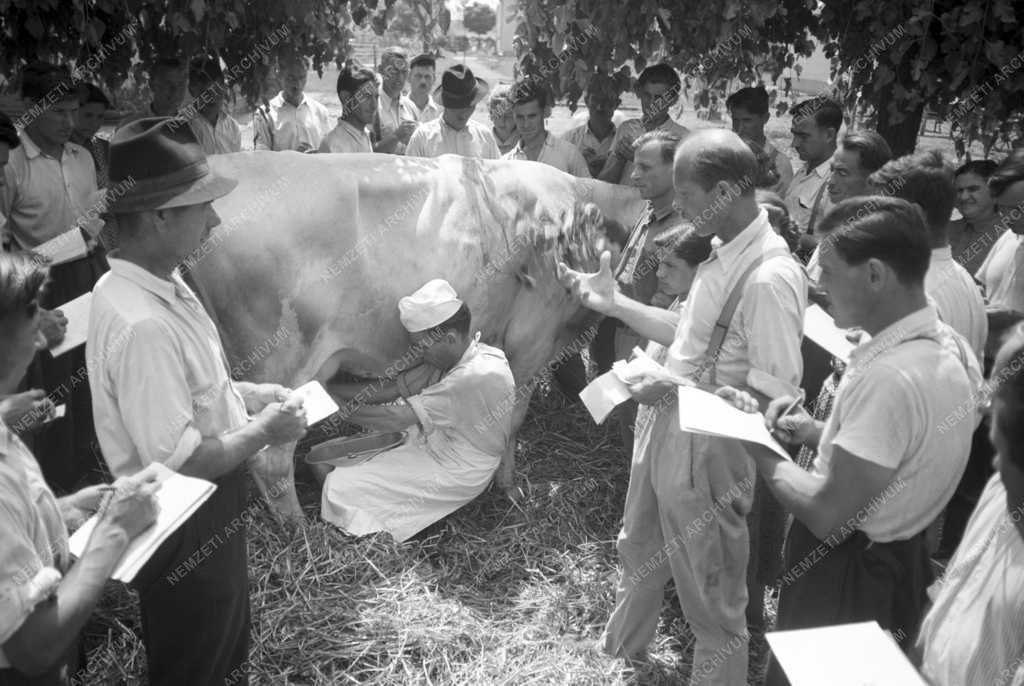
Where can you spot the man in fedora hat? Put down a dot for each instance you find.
(163, 393)
(454, 132)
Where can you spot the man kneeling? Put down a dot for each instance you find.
(458, 427)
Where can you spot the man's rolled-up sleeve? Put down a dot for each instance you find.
(153, 396)
(773, 321)
(25, 581)
(433, 406)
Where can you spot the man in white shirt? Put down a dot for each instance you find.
(215, 129)
(748, 110)
(357, 91)
(815, 128)
(454, 132)
(531, 107)
(291, 121)
(422, 74)
(168, 84)
(927, 180)
(396, 119)
(594, 137)
(1002, 272)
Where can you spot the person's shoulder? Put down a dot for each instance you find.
(575, 134)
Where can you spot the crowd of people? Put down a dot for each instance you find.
(906, 453)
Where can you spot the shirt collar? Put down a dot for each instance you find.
(821, 170)
(520, 150)
(729, 253)
(32, 150)
(455, 132)
(923, 323)
(169, 291)
(659, 215)
(943, 254)
(386, 101)
(278, 101)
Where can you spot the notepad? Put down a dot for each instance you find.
(66, 247)
(606, 392)
(860, 654)
(77, 313)
(705, 413)
(178, 497)
(318, 403)
(821, 328)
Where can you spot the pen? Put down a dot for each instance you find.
(796, 401)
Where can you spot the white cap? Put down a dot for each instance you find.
(434, 303)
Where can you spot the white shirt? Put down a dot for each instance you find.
(893, 407)
(346, 138)
(594, 150)
(44, 197)
(807, 189)
(974, 631)
(1001, 273)
(431, 110)
(159, 378)
(557, 153)
(391, 112)
(215, 139)
(767, 326)
(957, 298)
(290, 126)
(436, 138)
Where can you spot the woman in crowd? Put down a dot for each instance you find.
(45, 599)
(972, 236)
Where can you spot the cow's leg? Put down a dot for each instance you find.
(505, 477)
(274, 472)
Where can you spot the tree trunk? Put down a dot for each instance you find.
(902, 135)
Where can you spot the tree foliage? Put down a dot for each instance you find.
(479, 18)
(422, 21)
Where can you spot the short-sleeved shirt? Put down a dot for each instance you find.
(556, 153)
(767, 326)
(807, 195)
(1002, 274)
(957, 298)
(346, 138)
(159, 378)
(431, 110)
(436, 138)
(284, 126)
(902, 404)
(215, 139)
(594, 150)
(971, 242)
(33, 538)
(44, 197)
(631, 129)
(974, 631)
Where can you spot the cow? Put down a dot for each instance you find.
(304, 274)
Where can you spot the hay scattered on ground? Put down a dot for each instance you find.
(488, 596)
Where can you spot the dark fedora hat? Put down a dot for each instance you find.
(459, 88)
(156, 163)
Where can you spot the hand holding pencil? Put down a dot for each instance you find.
(788, 421)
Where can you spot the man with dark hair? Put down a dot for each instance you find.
(1002, 273)
(396, 119)
(422, 74)
(594, 138)
(974, 631)
(215, 129)
(926, 179)
(93, 104)
(458, 426)
(859, 155)
(754, 291)
(658, 89)
(168, 84)
(357, 91)
(454, 132)
(972, 235)
(888, 457)
(291, 120)
(531, 106)
(748, 109)
(815, 128)
(49, 199)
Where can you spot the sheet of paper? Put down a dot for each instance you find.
(177, 498)
(820, 328)
(66, 247)
(318, 403)
(705, 413)
(603, 394)
(77, 313)
(859, 654)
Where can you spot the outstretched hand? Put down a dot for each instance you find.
(595, 290)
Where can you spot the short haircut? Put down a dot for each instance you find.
(1008, 396)
(732, 164)
(458, 322)
(424, 60)
(165, 64)
(352, 77)
(602, 86)
(292, 58)
(827, 113)
(8, 134)
(500, 101)
(753, 100)
(666, 140)
(41, 80)
(871, 149)
(685, 243)
(1009, 172)
(924, 178)
(205, 69)
(660, 73)
(90, 93)
(22, 276)
(392, 53)
(880, 227)
(528, 90)
(982, 168)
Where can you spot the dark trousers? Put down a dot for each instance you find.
(194, 596)
(856, 581)
(61, 674)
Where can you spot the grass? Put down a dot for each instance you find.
(487, 596)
